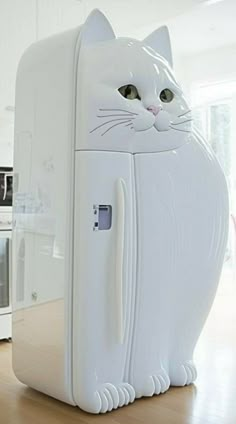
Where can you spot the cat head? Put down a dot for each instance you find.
(127, 96)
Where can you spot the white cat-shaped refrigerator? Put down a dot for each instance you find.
(120, 220)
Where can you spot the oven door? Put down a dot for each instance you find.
(5, 272)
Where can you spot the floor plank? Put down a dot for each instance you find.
(210, 401)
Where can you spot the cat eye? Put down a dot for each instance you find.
(130, 92)
(166, 95)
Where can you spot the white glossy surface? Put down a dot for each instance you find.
(182, 232)
(6, 234)
(5, 326)
(108, 121)
(141, 291)
(42, 235)
(100, 355)
(5, 219)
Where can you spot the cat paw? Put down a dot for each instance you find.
(183, 374)
(107, 397)
(126, 394)
(112, 397)
(161, 382)
(152, 384)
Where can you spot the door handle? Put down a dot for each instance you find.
(120, 250)
(7, 175)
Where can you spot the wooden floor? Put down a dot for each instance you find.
(212, 400)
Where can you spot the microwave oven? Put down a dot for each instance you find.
(6, 186)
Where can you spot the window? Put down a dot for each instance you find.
(214, 121)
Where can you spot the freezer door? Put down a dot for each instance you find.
(104, 252)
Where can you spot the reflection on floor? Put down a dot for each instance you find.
(210, 401)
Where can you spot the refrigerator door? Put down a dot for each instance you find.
(182, 224)
(103, 295)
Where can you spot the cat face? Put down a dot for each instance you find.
(131, 100)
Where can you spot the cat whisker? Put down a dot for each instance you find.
(115, 125)
(185, 113)
(178, 129)
(118, 114)
(119, 110)
(105, 123)
(183, 122)
(130, 125)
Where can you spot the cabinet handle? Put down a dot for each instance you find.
(121, 196)
(9, 174)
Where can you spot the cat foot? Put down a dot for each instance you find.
(110, 397)
(161, 382)
(126, 394)
(106, 397)
(153, 384)
(183, 374)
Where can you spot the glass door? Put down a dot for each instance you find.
(4, 273)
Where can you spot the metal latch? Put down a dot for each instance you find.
(102, 217)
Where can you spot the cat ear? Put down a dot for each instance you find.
(159, 40)
(96, 28)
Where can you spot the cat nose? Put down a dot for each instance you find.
(154, 109)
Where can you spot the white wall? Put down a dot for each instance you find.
(206, 67)
(22, 22)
